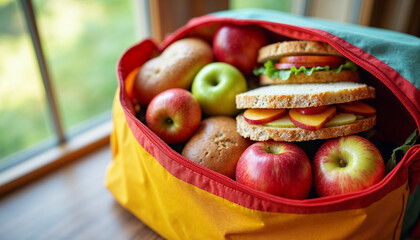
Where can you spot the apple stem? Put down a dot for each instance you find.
(169, 120)
(342, 163)
(214, 82)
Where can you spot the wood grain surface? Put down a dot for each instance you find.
(70, 203)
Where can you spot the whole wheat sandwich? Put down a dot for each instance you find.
(304, 62)
(302, 112)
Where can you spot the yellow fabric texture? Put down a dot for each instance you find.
(178, 210)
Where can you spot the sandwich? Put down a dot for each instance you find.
(303, 62)
(303, 112)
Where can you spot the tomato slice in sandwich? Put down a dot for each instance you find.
(309, 61)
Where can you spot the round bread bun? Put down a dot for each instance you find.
(216, 145)
(290, 48)
(176, 67)
(315, 77)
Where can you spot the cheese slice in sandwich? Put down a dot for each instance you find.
(302, 112)
(304, 62)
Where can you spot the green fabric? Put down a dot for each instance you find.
(399, 51)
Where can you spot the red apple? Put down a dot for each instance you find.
(261, 116)
(312, 122)
(357, 108)
(173, 115)
(312, 110)
(239, 45)
(278, 168)
(346, 165)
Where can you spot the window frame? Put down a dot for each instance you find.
(33, 162)
(31, 23)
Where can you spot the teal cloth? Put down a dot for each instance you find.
(399, 51)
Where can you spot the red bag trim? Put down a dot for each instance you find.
(223, 186)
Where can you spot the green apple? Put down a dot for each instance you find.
(215, 87)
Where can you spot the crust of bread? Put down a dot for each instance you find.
(303, 95)
(288, 48)
(216, 145)
(315, 77)
(264, 133)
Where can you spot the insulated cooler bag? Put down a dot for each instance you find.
(180, 199)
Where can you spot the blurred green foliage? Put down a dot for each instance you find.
(82, 41)
(280, 5)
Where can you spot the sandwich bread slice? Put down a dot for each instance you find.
(302, 112)
(304, 62)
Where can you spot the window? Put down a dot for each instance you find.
(24, 122)
(81, 42)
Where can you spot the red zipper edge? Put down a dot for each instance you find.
(230, 183)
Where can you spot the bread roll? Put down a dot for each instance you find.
(176, 67)
(216, 145)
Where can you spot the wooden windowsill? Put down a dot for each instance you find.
(71, 202)
(46, 162)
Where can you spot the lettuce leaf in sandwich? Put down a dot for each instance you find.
(270, 70)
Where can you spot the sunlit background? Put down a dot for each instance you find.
(82, 41)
